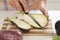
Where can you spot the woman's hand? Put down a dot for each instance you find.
(37, 4)
(15, 4)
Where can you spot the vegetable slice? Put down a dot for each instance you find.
(41, 19)
(20, 24)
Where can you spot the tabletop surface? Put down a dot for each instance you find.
(53, 15)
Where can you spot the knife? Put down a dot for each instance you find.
(29, 15)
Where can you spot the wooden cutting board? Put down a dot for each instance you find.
(48, 30)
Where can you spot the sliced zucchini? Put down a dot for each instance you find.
(41, 19)
(21, 24)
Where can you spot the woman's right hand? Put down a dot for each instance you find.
(15, 4)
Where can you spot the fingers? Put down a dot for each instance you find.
(30, 2)
(41, 6)
(44, 11)
(36, 5)
(25, 5)
(32, 7)
(10, 2)
(14, 4)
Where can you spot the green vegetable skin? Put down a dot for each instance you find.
(56, 37)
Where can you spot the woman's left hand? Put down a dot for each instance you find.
(38, 4)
